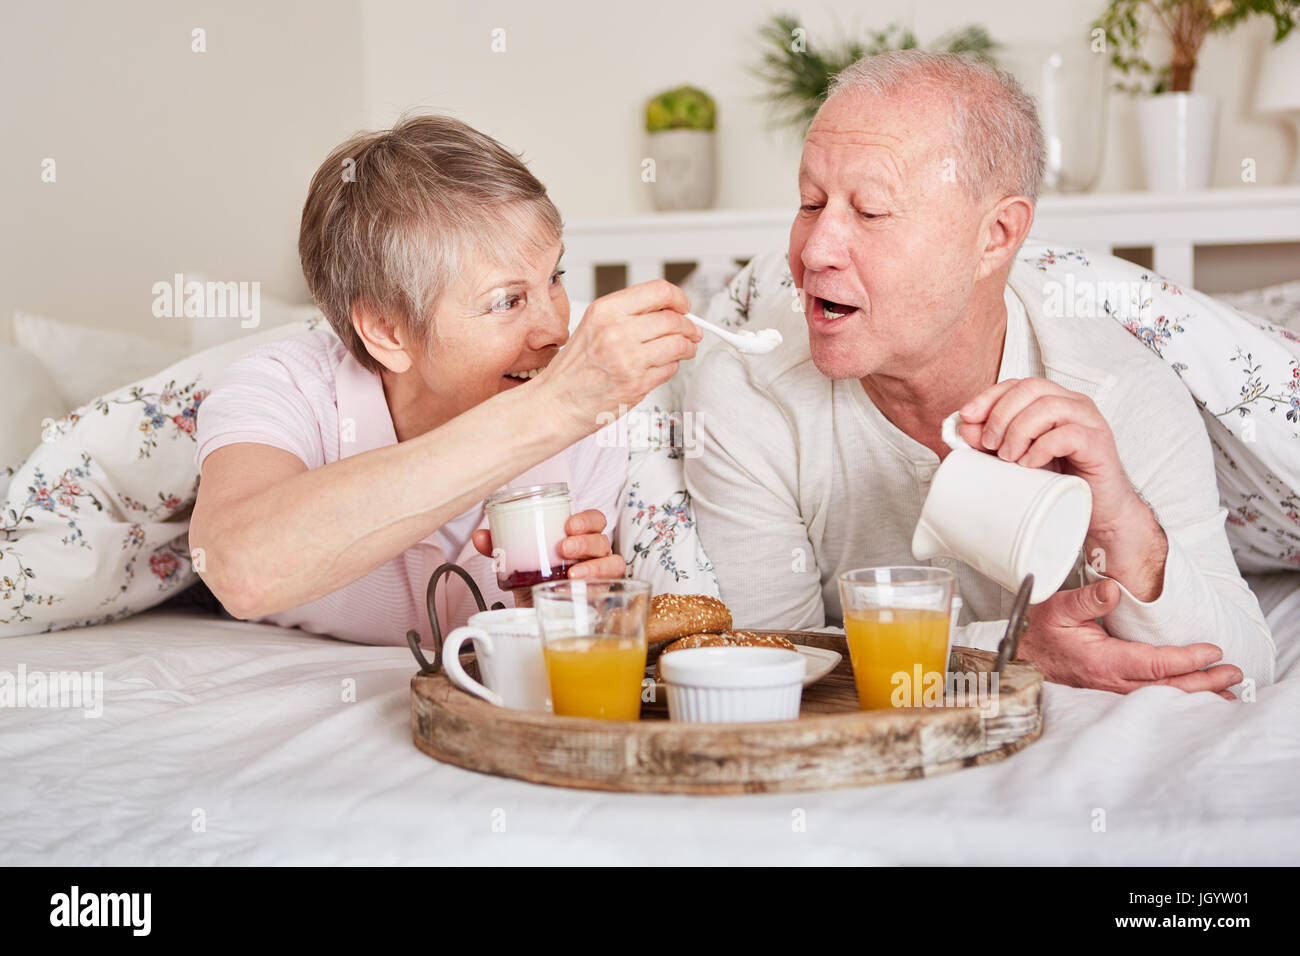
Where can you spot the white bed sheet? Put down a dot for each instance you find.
(247, 723)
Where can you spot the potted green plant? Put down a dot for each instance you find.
(680, 131)
(798, 72)
(1177, 126)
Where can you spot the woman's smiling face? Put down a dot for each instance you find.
(494, 328)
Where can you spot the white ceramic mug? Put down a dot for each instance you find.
(509, 653)
(1002, 519)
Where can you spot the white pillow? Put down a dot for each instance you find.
(86, 362)
(206, 332)
(1279, 304)
(1242, 370)
(656, 531)
(706, 281)
(31, 398)
(95, 523)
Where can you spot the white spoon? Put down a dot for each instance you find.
(754, 343)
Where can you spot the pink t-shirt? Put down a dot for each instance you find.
(309, 396)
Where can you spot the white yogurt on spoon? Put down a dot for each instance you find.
(755, 343)
(768, 338)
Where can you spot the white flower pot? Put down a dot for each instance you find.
(1178, 131)
(684, 168)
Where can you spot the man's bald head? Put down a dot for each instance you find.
(992, 122)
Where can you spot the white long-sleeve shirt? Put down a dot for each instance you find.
(800, 478)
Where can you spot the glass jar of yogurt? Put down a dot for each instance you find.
(527, 526)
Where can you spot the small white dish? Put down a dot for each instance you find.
(821, 661)
(733, 684)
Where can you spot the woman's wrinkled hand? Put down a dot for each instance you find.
(628, 343)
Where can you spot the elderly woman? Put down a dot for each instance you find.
(338, 471)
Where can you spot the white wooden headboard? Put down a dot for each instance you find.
(1173, 225)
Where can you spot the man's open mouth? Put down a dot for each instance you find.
(834, 310)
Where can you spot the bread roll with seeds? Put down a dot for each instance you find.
(673, 616)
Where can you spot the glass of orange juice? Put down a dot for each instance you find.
(897, 621)
(593, 641)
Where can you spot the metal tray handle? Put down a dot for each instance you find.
(430, 594)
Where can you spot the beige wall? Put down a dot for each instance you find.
(570, 87)
(569, 90)
(169, 160)
(166, 160)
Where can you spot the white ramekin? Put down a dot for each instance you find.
(733, 684)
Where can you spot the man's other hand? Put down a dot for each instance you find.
(1066, 643)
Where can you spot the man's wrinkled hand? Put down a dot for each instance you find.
(1069, 647)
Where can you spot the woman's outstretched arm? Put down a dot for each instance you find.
(275, 534)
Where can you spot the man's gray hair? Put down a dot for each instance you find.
(992, 120)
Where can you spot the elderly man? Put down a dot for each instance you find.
(917, 187)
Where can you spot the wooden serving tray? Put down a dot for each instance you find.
(832, 744)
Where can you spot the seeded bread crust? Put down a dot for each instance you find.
(730, 639)
(674, 616)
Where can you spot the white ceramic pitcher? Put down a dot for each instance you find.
(1003, 519)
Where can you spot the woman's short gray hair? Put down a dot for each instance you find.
(992, 120)
(392, 218)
